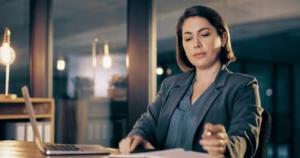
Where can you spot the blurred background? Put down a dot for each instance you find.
(90, 61)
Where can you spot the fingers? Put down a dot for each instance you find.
(214, 150)
(213, 142)
(214, 146)
(135, 143)
(125, 144)
(148, 145)
(129, 144)
(214, 139)
(214, 128)
(222, 135)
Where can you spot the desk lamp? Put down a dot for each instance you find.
(106, 61)
(7, 57)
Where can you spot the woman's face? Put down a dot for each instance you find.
(201, 42)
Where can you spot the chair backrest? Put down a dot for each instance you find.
(264, 135)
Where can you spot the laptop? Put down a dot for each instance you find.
(58, 149)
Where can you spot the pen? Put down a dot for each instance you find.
(208, 133)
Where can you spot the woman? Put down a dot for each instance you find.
(206, 108)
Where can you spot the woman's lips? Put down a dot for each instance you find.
(199, 55)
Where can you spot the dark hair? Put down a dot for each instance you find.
(226, 55)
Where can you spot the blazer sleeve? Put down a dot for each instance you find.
(146, 125)
(245, 121)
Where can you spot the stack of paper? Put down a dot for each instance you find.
(171, 153)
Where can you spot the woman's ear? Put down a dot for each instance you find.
(224, 39)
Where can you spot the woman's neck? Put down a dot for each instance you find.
(207, 75)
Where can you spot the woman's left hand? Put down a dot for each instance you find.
(214, 140)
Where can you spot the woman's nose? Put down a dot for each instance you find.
(197, 43)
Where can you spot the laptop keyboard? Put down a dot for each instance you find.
(62, 147)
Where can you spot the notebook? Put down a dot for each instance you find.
(58, 149)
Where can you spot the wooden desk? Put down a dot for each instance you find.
(22, 149)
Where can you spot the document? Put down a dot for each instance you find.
(171, 153)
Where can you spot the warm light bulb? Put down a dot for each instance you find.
(94, 52)
(106, 61)
(159, 71)
(7, 54)
(269, 92)
(61, 65)
(127, 60)
(169, 71)
(106, 49)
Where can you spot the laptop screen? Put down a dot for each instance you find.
(32, 117)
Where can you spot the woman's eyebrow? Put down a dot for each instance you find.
(200, 30)
(205, 28)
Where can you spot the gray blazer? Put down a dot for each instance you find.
(235, 103)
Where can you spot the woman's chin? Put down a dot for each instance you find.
(201, 65)
(204, 65)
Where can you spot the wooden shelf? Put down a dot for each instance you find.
(21, 100)
(14, 109)
(9, 116)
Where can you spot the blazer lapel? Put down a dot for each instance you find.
(198, 117)
(200, 114)
(175, 95)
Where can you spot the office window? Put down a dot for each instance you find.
(263, 74)
(283, 111)
(90, 73)
(275, 90)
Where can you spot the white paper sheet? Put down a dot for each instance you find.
(171, 153)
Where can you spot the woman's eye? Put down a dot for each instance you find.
(205, 34)
(187, 39)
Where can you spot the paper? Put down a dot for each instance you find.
(171, 153)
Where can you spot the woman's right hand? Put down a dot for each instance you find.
(128, 144)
